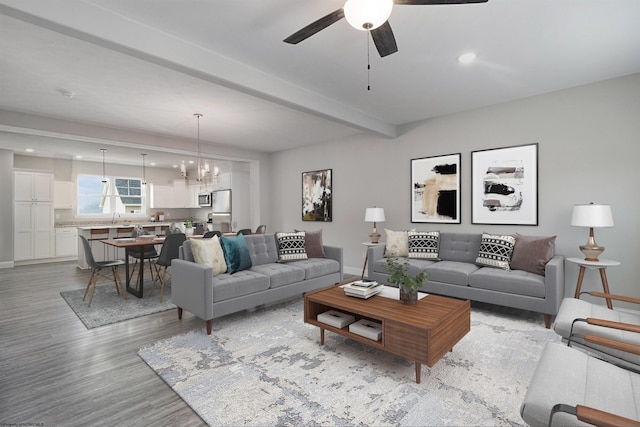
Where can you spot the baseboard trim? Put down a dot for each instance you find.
(6, 264)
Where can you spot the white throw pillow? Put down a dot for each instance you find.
(496, 250)
(208, 252)
(397, 243)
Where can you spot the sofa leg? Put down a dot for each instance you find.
(547, 321)
(209, 326)
(180, 313)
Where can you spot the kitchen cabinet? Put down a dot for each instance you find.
(66, 242)
(33, 186)
(33, 230)
(63, 195)
(161, 196)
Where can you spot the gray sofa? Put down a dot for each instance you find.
(194, 287)
(457, 275)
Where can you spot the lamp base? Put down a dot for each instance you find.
(375, 237)
(591, 251)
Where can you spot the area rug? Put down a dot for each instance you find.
(108, 307)
(268, 368)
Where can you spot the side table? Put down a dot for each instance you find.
(366, 257)
(594, 265)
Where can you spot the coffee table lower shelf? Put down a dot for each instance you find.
(423, 332)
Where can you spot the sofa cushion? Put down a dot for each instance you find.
(280, 274)
(423, 244)
(517, 282)
(227, 286)
(317, 267)
(397, 243)
(460, 247)
(208, 252)
(236, 253)
(313, 244)
(451, 272)
(495, 250)
(262, 248)
(291, 246)
(531, 253)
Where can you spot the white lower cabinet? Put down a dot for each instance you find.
(66, 241)
(34, 236)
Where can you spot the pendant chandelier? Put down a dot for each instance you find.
(144, 170)
(203, 167)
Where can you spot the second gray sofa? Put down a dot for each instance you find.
(457, 275)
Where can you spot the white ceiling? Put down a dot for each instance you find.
(147, 66)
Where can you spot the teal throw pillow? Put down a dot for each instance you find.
(236, 253)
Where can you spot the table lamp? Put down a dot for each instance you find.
(592, 216)
(374, 215)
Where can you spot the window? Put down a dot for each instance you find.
(117, 195)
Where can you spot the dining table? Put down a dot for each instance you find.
(134, 242)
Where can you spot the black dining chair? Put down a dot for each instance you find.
(245, 231)
(149, 253)
(170, 250)
(210, 234)
(96, 267)
(261, 229)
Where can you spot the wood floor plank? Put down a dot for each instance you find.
(56, 372)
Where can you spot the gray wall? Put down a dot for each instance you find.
(588, 151)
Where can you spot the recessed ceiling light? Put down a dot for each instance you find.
(175, 166)
(29, 150)
(152, 164)
(467, 58)
(78, 156)
(191, 162)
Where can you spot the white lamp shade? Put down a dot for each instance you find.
(373, 13)
(374, 215)
(592, 216)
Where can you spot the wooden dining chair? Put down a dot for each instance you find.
(96, 267)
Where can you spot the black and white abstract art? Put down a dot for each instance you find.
(435, 189)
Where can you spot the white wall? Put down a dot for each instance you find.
(6, 208)
(589, 150)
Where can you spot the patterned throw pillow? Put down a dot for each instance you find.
(291, 246)
(236, 253)
(208, 252)
(397, 243)
(496, 250)
(423, 244)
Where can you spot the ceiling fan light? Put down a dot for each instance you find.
(367, 14)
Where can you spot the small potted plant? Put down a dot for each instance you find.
(408, 284)
(188, 226)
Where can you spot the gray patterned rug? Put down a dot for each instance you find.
(267, 368)
(108, 307)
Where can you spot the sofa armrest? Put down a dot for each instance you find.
(192, 288)
(554, 283)
(335, 253)
(374, 253)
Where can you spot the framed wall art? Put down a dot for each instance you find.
(316, 195)
(504, 185)
(435, 189)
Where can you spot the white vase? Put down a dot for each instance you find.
(188, 231)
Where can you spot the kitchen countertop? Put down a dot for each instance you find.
(121, 225)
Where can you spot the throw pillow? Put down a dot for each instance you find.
(313, 244)
(423, 244)
(531, 253)
(397, 243)
(208, 252)
(291, 246)
(236, 253)
(495, 250)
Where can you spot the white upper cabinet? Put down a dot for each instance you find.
(33, 186)
(63, 195)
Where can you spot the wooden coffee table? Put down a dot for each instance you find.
(423, 332)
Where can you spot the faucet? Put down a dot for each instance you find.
(113, 218)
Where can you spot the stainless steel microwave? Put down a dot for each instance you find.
(204, 199)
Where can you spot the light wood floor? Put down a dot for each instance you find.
(55, 372)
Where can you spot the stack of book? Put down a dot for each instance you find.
(363, 288)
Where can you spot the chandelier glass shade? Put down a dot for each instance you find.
(367, 14)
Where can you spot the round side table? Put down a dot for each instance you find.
(366, 257)
(594, 265)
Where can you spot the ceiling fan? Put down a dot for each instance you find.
(368, 15)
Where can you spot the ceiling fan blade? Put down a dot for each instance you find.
(384, 40)
(428, 2)
(315, 27)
